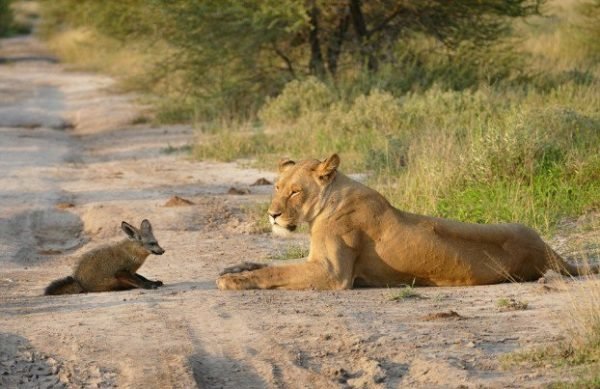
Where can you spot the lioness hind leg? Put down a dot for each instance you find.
(245, 266)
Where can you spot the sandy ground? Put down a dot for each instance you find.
(72, 166)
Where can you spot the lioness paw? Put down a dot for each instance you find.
(232, 282)
(246, 266)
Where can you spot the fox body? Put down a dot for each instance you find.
(112, 267)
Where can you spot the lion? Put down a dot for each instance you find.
(359, 239)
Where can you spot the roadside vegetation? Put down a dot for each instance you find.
(486, 116)
(16, 17)
(579, 352)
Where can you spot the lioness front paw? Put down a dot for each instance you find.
(245, 266)
(232, 282)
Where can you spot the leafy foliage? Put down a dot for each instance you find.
(224, 58)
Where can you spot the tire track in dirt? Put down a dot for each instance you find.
(252, 358)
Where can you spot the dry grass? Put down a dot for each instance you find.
(579, 353)
(291, 252)
(257, 215)
(511, 304)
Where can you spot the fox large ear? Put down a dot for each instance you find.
(326, 170)
(146, 227)
(284, 164)
(131, 231)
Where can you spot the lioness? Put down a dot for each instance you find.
(359, 239)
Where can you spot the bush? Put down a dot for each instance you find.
(5, 17)
(13, 19)
(297, 99)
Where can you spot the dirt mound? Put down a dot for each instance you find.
(177, 201)
(442, 315)
(238, 191)
(261, 181)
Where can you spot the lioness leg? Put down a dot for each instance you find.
(308, 275)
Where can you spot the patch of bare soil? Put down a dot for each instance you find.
(66, 190)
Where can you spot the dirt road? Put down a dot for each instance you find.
(72, 166)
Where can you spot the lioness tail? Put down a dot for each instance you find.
(67, 285)
(568, 269)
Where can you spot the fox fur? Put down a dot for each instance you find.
(114, 267)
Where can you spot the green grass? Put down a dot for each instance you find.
(407, 292)
(173, 150)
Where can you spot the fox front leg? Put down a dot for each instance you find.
(144, 279)
(128, 279)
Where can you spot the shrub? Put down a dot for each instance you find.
(298, 98)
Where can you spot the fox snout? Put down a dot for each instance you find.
(158, 250)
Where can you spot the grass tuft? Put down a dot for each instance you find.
(407, 292)
(291, 252)
(257, 215)
(510, 304)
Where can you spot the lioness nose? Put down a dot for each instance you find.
(274, 215)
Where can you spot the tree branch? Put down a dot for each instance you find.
(286, 59)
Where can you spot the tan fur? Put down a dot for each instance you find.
(359, 239)
(113, 267)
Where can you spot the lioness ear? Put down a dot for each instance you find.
(326, 169)
(284, 164)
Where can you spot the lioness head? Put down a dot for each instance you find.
(300, 191)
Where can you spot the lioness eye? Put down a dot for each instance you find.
(294, 193)
(276, 189)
